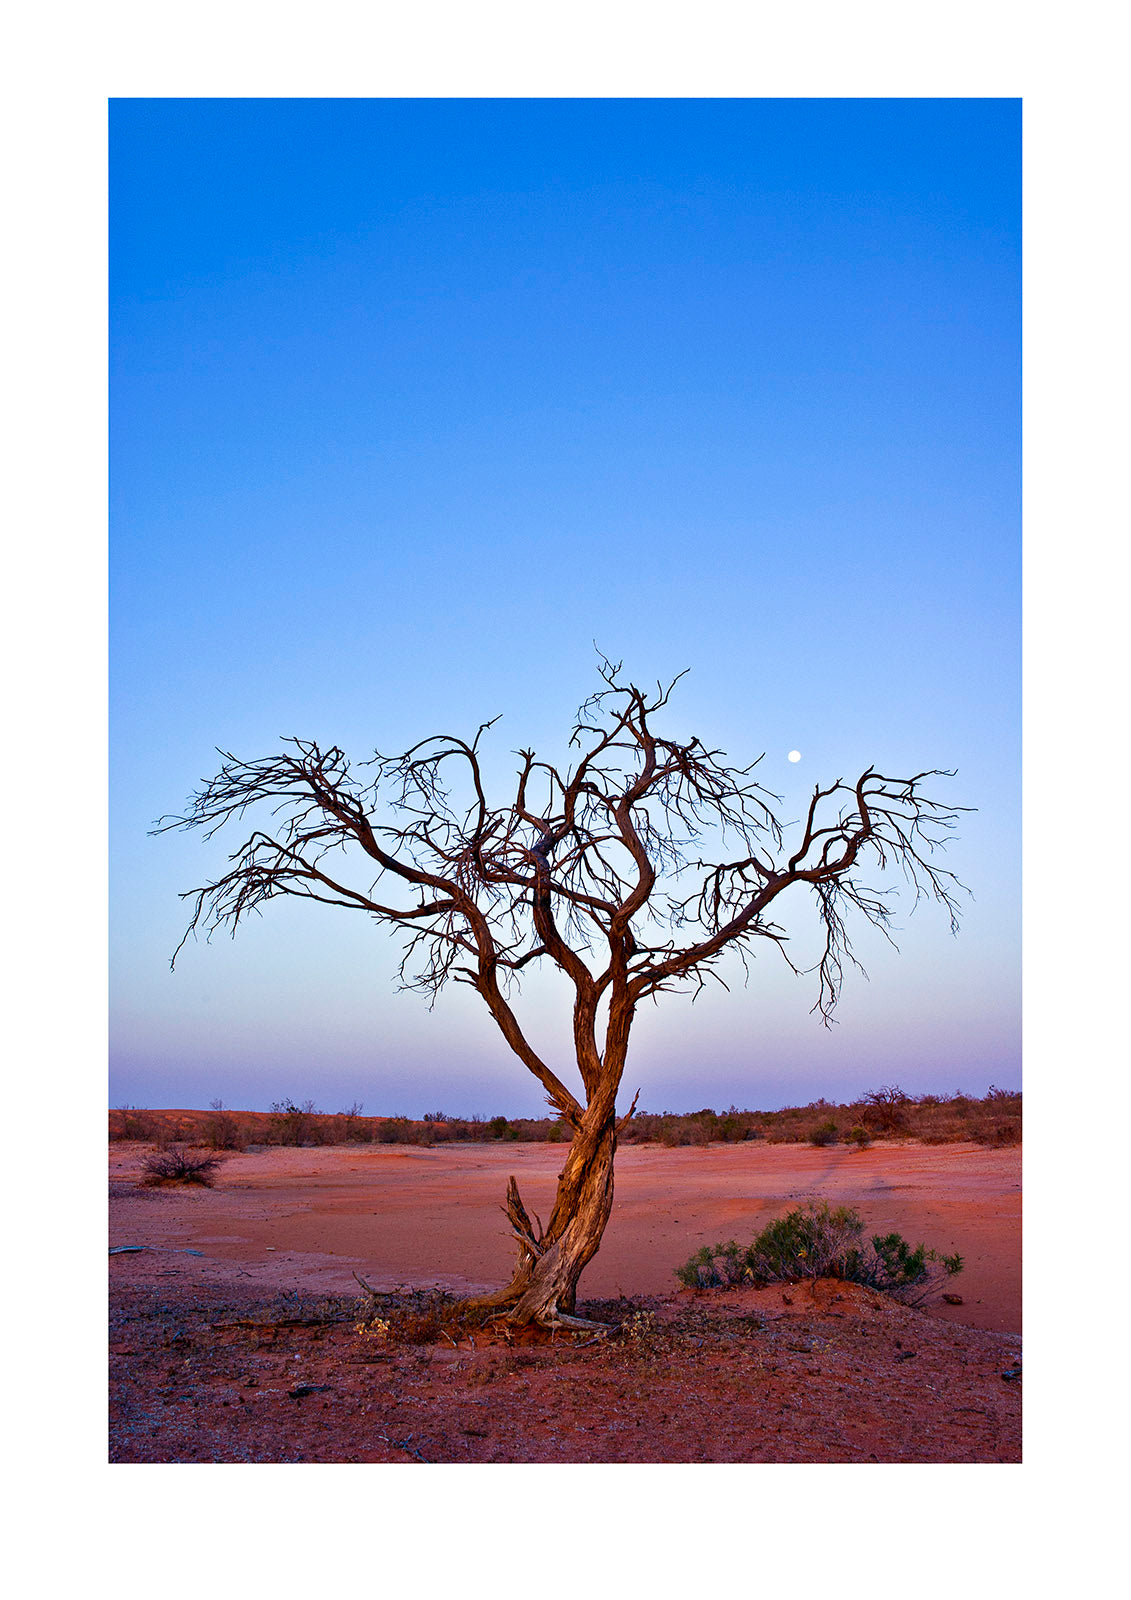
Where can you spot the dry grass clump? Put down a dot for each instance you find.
(407, 1316)
(180, 1165)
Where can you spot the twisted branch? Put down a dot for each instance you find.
(585, 867)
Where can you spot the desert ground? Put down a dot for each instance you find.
(234, 1338)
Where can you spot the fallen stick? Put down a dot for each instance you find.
(403, 1444)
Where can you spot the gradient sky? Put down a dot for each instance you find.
(413, 401)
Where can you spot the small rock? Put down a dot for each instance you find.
(907, 1355)
(297, 1390)
(953, 1299)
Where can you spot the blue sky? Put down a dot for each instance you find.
(414, 400)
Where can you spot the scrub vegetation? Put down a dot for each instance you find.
(821, 1241)
(885, 1114)
(175, 1164)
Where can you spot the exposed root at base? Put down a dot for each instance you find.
(550, 1318)
(497, 1311)
(553, 1322)
(573, 1324)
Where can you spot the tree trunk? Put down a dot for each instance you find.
(550, 1262)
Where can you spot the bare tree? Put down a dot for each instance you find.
(594, 869)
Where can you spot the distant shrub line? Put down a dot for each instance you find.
(887, 1113)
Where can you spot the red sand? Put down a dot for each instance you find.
(210, 1362)
(405, 1214)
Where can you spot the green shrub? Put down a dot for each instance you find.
(819, 1241)
(858, 1136)
(824, 1133)
(893, 1266)
(716, 1266)
(809, 1242)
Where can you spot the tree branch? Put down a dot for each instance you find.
(586, 867)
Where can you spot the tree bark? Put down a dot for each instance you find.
(543, 1289)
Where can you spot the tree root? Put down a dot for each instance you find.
(551, 1321)
(496, 1311)
(573, 1324)
(531, 1299)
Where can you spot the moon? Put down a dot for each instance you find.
(795, 755)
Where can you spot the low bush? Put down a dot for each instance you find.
(819, 1241)
(895, 1268)
(1000, 1134)
(295, 1125)
(885, 1109)
(135, 1123)
(223, 1132)
(824, 1133)
(394, 1130)
(178, 1165)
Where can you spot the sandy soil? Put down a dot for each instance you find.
(402, 1214)
(208, 1350)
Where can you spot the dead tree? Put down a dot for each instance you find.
(594, 869)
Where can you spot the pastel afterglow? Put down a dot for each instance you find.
(414, 400)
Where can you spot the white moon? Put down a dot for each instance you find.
(795, 755)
